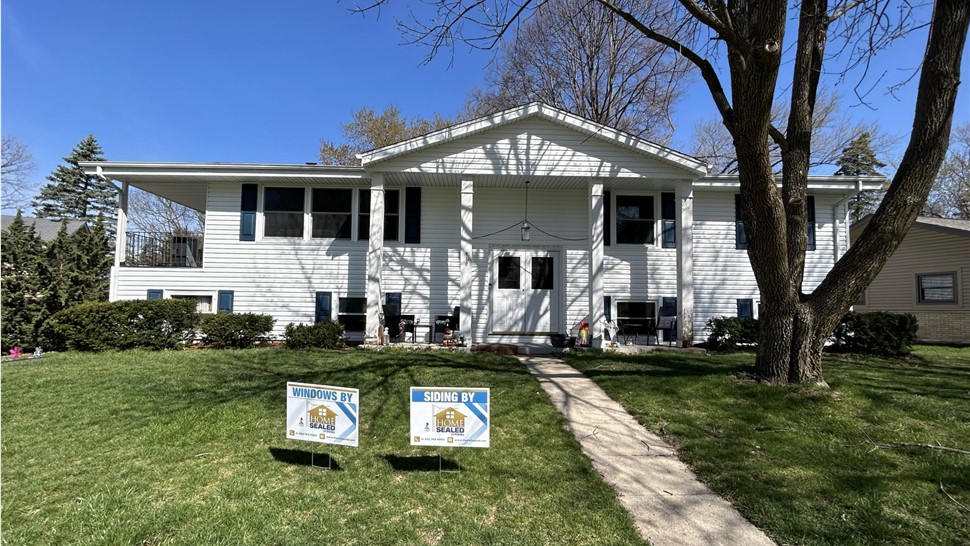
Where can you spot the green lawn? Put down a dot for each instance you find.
(189, 448)
(802, 462)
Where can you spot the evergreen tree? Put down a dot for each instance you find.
(96, 258)
(73, 194)
(859, 159)
(22, 265)
(62, 277)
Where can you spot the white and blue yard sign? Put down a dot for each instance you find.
(449, 417)
(323, 414)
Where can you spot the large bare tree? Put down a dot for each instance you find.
(369, 130)
(579, 57)
(750, 36)
(18, 163)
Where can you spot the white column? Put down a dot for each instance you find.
(597, 316)
(375, 258)
(465, 260)
(685, 263)
(121, 239)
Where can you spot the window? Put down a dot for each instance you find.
(746, 308)
(392, 303)
(937, 288)
(634, 219)
(203, 304)
(542, 273)
(392, 215)
(155, 294)
(508, 272)
(283, 211)
(332, 211)
(740, 238)
(353, 314)
(635, 311)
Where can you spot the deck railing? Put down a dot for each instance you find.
(160, 249)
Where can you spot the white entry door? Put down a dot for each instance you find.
(525, 291)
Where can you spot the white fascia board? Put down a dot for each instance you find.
(540, 110)
(832, 184)
(216, 170)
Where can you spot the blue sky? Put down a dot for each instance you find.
(248, 81)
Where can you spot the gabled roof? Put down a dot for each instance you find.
(542, 111)
(943, 225)
(45, 228)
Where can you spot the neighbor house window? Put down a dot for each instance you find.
(634, 219)
(937, 288)
(332, 211)
(283, 210)
(392, 215)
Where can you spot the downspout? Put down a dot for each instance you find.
(837, 247)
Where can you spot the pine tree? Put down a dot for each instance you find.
(62, 277)
(96, 259)
(73, 194)
(859, 159)
(22, 266)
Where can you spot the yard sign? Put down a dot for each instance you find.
(322, 414)
(449, 417)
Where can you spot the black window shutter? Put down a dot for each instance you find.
(323, 307)
(225, 301)
(668, 308)
(154, 294)
(740, 238)
(607, 218)
(668, 222)
(412, 215)
(811, 222)
(608, 307)
(247, 214)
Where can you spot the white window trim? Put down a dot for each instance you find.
(213, 297)
(308, 213)
(657, 224)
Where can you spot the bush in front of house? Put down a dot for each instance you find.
(129, 324)
(234, 330)
(878, 333)
(322, 335)
(732, 333)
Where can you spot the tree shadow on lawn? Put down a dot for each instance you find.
(301, 457)
(263, 374)
(660, 365)
(882, 379)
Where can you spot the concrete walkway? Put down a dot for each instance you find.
(667, 502)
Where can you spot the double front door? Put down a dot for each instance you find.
(526, 291)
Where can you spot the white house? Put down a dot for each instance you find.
(530, 221)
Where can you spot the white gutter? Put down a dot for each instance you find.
(835, 223)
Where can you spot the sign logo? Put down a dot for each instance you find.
(322, 413)
(451, 417)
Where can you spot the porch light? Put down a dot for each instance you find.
(525, 231)
(525, 217)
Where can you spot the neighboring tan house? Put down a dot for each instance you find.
(528, 221)
(928, 276)
(45, 228)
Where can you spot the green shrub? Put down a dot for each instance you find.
(129, 324)
(732, 333)
(879, 333)
(324, 335)
(236, 330)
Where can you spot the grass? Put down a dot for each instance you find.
(801, 462)
(189, 448)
